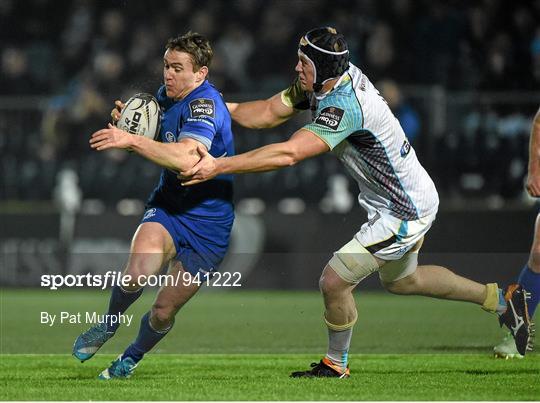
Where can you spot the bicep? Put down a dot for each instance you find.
(278, 110)
(261, 114)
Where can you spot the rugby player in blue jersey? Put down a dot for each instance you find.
(352, 120)
(529, 277)
(186, 228)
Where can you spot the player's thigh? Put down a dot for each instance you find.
(171, 297)
(151, 248)
(402, 270)
(351, 263)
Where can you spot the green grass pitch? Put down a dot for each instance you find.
(241, 345)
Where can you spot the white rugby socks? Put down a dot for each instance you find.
(338, 346)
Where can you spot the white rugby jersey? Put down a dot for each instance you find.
(358, 126)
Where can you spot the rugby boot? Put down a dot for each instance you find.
(120, 368)
(90, 341)
(324, 369)
(516, 317)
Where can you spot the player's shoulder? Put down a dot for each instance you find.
(207, 90)
(206, 101)
(342, 97)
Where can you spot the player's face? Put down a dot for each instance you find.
(305, 73)
(178, 74)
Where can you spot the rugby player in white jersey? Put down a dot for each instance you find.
(351, 120)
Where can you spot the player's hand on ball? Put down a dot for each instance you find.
(111, 137)
(204, 170)
(115, 113)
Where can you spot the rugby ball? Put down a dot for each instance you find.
(141, 116)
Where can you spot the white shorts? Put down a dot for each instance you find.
(390, 238)
(387, 238)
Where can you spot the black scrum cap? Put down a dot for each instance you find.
(327, 51)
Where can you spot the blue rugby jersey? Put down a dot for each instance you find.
(203, 116)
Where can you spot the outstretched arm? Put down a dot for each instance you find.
(533, 179)
(261, 114)
(272, 111)
(303, 144)
(176, 156)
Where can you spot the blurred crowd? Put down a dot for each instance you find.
(84, 54)
(48, 44)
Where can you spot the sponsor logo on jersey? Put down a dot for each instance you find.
(149, 213)
(330, 117)
(202, 107)
(405, 148)
(170, 137)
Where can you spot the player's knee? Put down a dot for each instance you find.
(330, 284)
(136, 275)
(140, 267)
(163, 315)
(323, 284)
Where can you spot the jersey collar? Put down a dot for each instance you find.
(321, 95)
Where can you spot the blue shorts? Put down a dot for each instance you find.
(201, 243)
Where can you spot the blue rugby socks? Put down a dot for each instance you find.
(146, 339)
(120, 301)
(530, 281)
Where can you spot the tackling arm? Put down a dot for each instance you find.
(303, 144)
(176, 156)
(261, 114)
(533, 179)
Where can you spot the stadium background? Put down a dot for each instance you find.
(462, 77)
